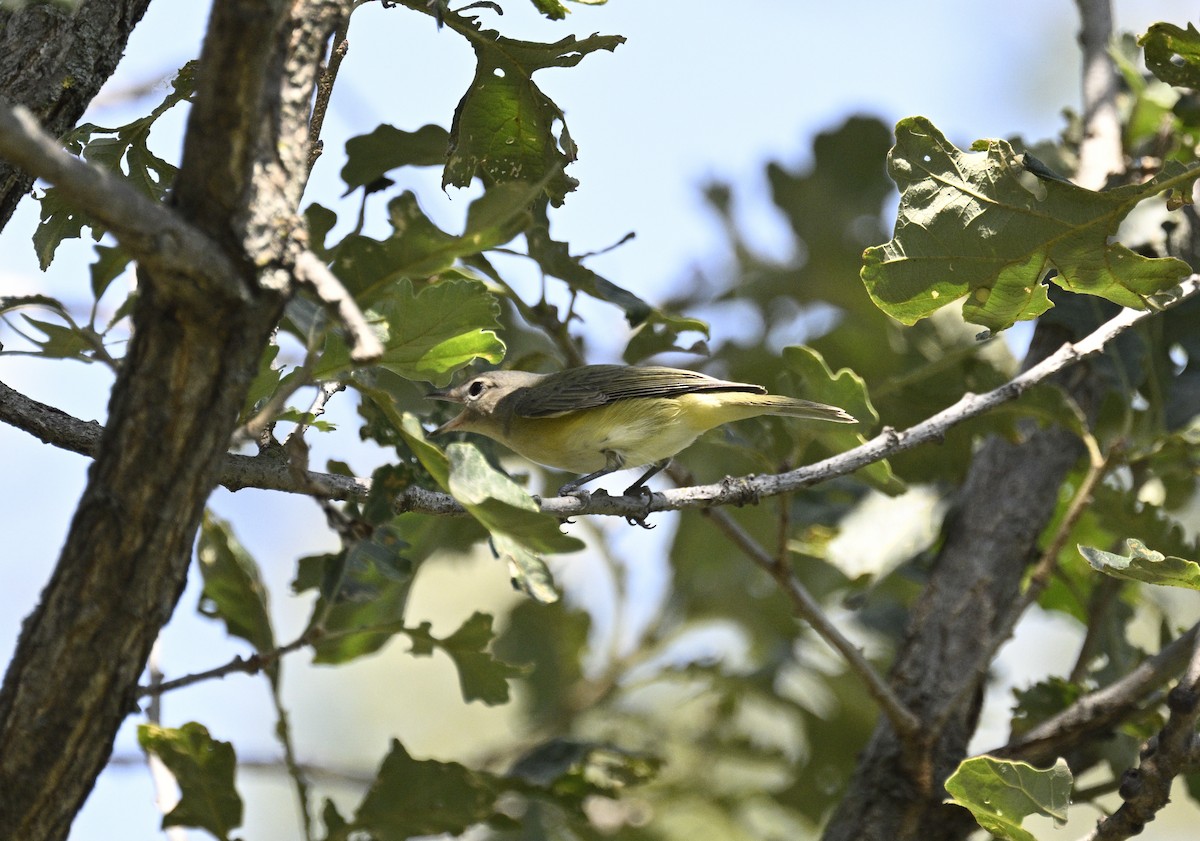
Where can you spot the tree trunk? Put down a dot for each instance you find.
(991, 537)
(195, 350)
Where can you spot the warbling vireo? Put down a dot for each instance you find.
(600, 418)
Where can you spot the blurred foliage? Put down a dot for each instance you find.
(715, 712)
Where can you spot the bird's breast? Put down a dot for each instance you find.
(640, 431)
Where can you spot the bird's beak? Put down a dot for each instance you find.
(451, 425)
(450, 396)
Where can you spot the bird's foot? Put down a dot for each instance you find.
(639, 489)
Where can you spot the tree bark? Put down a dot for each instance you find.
(53, 60)
(961, 619)
(198, 336)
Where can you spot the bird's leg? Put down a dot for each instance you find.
(639, 488)
(612, 463)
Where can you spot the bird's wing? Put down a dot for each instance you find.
(599, 385)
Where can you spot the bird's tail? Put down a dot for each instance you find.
(792, 407)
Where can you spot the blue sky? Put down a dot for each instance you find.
(699, 91)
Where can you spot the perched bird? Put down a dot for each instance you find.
(596, 419)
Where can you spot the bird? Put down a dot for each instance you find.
(596, 419)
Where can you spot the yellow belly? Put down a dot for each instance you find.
(638, 432)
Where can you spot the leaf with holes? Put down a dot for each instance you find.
(981, 225)
(504, 126)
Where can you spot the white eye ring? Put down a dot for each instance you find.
(475, 388)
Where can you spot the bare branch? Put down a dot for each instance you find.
(329, 71)
(808, 609)
(311, 272)
(251, 665)
(1100, 711)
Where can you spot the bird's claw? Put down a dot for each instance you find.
(647, 495)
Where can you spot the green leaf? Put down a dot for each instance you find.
(550, 8)
(124, 152)
(1000, 794)
(110, 263)
(266, 382)
(336, 827)
(574, 769)
(1144, 564)
(519, 531)
(204, 769)
(847, 391)
(551, 640)
(660, 333)
(319, 220)
(427, 335)
(1173, 54)
(504, 126)
(364, 593)
(233, 587)
(64, 341)
(983, 226)
(370, 156)
(1039, 702)
(481, 676)
(412, 797)
(59, 221)
(529, 572)
(418, 249)
(500, 503)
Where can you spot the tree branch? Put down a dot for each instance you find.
(365, 346)
(1100, 711)
(55, 427)
(1101, 152)
(1147, 789)
(154, 235)
(42, 45)
(197, 341)
(808, 609)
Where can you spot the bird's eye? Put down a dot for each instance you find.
(475, 389)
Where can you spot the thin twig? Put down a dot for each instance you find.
(311, 272)
(324, 393)
(251, 665)
(325, 82)
(807, 608)
(253, 429)
(274, 766)
(295, 771)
